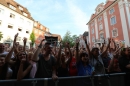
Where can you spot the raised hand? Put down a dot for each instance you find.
(109, 40)
(15, 37)
(77, 40)
(24, 40)
(23, 60)
(67, 44)
(84, 38)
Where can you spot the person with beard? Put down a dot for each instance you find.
(46, 63)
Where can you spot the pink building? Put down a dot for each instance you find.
(110, 20)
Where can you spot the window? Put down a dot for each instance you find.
(111, 11)
(1, 11)
(92, 31)
(21, 20)
(12, 15)
(18, 38)
(19, 29)
(25, 14)
(113, 20)
(100, 18)
(10, 26)
(114, 32)
(100, 27)
(101, 35)
(27, 32)
(20, 8)
(93, 39)
(12, 7)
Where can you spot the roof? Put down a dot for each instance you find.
(6, 3)
(108, 3)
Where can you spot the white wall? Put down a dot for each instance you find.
(5, 18)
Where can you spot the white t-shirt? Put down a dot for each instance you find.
(5, 53)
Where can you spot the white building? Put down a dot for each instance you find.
(14, 18)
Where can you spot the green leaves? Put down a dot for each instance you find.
(32, 38)
(70, 39)
(1, 36)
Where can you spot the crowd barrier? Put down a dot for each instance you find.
(116, 79)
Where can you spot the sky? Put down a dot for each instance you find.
(61, 16)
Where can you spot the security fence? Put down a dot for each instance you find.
(116, 79)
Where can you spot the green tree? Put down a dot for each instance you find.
(74, 37)
(68, 38)
(1, 36)
(32, 38)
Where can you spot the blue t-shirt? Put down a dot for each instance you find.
(84, 70)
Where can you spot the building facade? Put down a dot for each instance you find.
(14, 18)
(40, 31)
(110, 20)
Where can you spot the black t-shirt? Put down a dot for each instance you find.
(123, 62)
(62, 72)
(44, 69)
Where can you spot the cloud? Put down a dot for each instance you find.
(79, 17)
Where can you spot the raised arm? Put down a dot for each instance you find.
(103, 46)
(70, 54)
(109, 41)
(58, 56)
(89, 53)
(22, 73)
(77, 51)
(36, 53)
(7, 59)
(24, 42)
(115, 47)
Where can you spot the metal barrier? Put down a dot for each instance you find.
(116, 79)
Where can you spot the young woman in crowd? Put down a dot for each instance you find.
(63, 63)
(82, 61)
(20, 65)
(96, 58)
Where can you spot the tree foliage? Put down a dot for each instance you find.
(68, 38)
(32, 38)
(1, 36)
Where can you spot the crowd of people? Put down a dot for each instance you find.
(48, 61)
